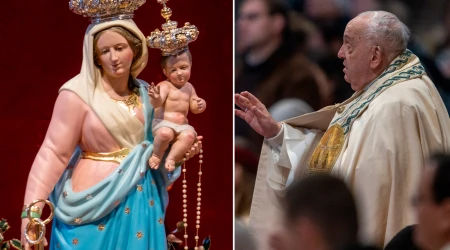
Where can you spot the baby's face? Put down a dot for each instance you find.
(178, 69)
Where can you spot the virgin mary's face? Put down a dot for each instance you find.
(114, 54)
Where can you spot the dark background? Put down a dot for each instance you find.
(41, 48)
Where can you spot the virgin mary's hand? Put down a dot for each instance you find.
(195, 149)
(25, 244)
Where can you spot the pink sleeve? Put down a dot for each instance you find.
(63, 134)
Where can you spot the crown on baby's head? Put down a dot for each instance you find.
(171, 40)
(105, 10)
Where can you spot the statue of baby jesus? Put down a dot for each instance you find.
(172, 100)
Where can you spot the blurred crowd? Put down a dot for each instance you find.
(320, 213)
(286, 55)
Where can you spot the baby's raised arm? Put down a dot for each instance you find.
(158, 94)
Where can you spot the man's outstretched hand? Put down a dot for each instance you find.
(256, 115)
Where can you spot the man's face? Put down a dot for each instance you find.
(356, 53)
(253, 25)
(430, 215)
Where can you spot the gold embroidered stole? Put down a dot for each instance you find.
(404, 67)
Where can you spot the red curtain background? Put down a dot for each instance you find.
(41, 48)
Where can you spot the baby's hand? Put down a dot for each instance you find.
(153, 91)
(200, 104)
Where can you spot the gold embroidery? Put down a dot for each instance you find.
(160, 221)
(101, 227)
(129, 104)
(75, 241)
(151, 203)
(139, 235)
(328, 150)
(78, 220)
(127, 210)
(116, 156)
(139, 188)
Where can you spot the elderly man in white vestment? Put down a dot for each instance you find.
(376, 141)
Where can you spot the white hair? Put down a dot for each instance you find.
(386, 30)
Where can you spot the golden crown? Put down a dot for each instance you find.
(171, 40)
(105, 10)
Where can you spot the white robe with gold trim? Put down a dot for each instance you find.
(381, 159)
